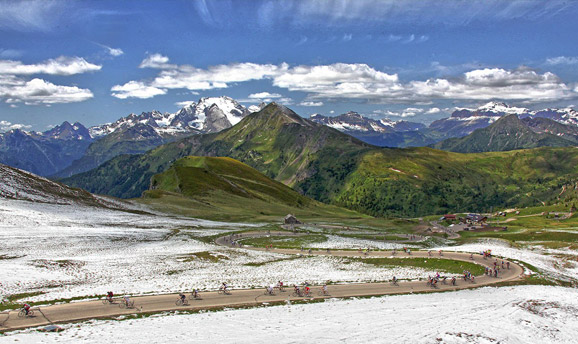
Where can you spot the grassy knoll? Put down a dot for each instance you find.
(286, 241)
(228, 190)
(436, 264)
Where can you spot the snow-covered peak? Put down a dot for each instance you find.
(387, 122)
(209, 114)
(230, 107)
(355, 122)
(498, 107)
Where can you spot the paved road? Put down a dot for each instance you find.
(76, 311)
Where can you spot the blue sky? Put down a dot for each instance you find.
(95, 61)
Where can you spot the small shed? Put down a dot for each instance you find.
(290, 219)
(451, 217)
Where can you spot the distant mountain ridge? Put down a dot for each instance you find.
(383, 132)
(511, 133)
(462, 122)
(72, 148)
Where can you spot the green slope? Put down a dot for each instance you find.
(420, 181)
(332, 167)
(275, 141)
(226, 189)
(507, 133)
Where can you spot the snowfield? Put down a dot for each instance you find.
(522, 314)
(70, 251)
(338, 242)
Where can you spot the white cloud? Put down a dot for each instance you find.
(341, 81)
(185, 103)
(562, 60)
(285, 101)
(115, 51)
(264, 95)
(136, 89)
(6, 126)
(308, 103)
(433, 110)
(62, 65)
(156, 61)
(39, 91)
(192, 78)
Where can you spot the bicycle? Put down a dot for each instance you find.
(269, 292)
(194, 296)
(107, 301)
(124, 304)
(297, 294)
(181, 302)
(323, 293)
(224, 291)
(23, 314)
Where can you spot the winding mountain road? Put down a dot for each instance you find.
(76, 311)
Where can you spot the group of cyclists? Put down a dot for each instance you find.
(305, 290)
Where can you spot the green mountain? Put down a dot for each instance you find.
(332, 167)
(509, 133)
(210, 187)
(275, 141)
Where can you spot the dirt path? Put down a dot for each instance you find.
(69, 312)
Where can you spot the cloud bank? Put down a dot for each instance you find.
(361, 82)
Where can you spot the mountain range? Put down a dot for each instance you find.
(462, 122)
(335, 168)
(68, 149)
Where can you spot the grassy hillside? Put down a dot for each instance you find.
(226, 189)
(275, 141)
(419, 181)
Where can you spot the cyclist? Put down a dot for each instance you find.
(394, 280)
(109, 296)
(454, 280)
(126, 300)
(183, 297)
(26, 308)
(324, 289)
(297, 290)
(280, 285)
(195, 293)
(269, 290)
(307, 291)
(224, 287)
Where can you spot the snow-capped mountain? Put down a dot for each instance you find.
(463, 122)
(72, 148)
(206, 116)
(354, 122)
(44, 153)
(383, 132)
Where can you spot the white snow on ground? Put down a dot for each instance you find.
(522, 314)
(549, 265)
(74, 251)
(339, 242)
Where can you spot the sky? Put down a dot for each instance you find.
(417, 60)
